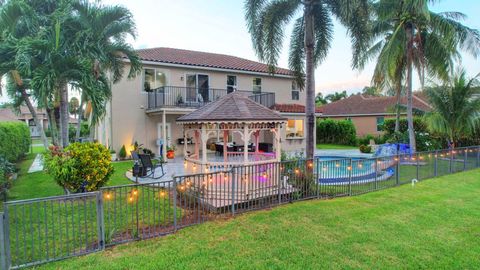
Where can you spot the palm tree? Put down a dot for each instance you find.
(408, 35)
(310, 39)
(456, 109)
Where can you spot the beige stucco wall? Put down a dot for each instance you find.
(127, 121)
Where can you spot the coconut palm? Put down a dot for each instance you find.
(410, 36)
(310, 39)
(456, 108)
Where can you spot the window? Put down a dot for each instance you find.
(231, 83)
(257, 85)
(295, 91)
(295, 128)
(153, 79)
(380, 121)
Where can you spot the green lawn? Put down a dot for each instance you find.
(335, 146)
(433, 225)
(40, 184)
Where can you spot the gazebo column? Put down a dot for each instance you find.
(225, 148)
(204, 145)
(245, 138)
(277, 138)
(184, 144)
(257, 135)
(197, 139)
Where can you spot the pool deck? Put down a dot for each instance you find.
(175, 166)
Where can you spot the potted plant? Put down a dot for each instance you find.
(179, 99)
(113, 154)
(171, 152)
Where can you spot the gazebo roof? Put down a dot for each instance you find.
(232, 107)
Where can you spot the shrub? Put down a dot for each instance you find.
(6, 170)
(426, 141)
(336, 132)
(366, 139)
(365, 149)
(79, 163)
(72, 131)
(123, 152)
(14, 140)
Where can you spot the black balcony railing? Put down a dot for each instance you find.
(191, 97)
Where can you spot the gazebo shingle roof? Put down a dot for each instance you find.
(232, 107)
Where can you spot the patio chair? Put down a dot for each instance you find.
(147, 165)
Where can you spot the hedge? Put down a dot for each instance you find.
(336, 132)
(14, 140)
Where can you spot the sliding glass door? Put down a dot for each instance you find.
(197, 88)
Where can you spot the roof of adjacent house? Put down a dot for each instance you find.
(291, 108)
(204, 59)
(232, 107)
(369, 105)
(7, 115)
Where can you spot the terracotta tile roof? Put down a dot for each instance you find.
(365, 105)
(291, 108)
(7, 115)
(232, 107)
(204, 59)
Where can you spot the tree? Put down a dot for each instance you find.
(409, 36)
(336, 96)
(319, 100)
(310, 39)
(73, 106)
(456, 109)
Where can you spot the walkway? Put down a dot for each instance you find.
(37, 164)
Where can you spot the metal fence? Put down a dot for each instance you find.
(48, 229)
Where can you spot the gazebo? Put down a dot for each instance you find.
(233, 131)
(228, 132)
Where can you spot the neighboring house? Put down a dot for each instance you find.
(24, 115)
(368, 112)
(174, 82)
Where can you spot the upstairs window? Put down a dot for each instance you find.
(295, 91)
(257, 85)
(380, 121)
(153, 79)
(295, 129)
(231, 83)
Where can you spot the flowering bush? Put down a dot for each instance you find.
(79, 164)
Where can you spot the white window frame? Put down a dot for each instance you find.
(155, 70)
(236, 82)
(253, 85)
(295, 89)
(296, 137)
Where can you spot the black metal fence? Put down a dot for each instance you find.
(193, 97)
(47, 229)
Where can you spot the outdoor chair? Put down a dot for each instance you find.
(147, 165)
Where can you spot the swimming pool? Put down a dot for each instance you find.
(346, 170)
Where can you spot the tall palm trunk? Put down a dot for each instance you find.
(19, 82)
(411, 131)
(64, 114)
(52, 124)
(310, 81)
(38, 125)
(79, 119)
(398, 94)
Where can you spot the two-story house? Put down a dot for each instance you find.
(174, 82)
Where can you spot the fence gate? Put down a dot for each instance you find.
(48, 229)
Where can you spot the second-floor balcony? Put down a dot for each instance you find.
(191, 97)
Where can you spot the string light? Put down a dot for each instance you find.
(130, 199)
(349, 168)
(134, 192)
(108, 196)
(324, 169)
(297, 171)
(162, 194)
(360, 165)
(310, 164)
(337, 165)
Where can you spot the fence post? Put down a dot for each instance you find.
(100, 221)
(350, 178)
(417, 163)
(397, 170)
(478, 156)
(317, 179)
(435, 168)
(465, 159)
(234, 179)
(375, 167)
(174, 204)
(279, 179)
(4, 242)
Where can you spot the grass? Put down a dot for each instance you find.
(431, 226)
(335, 146)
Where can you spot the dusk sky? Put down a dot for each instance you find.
(218, 26)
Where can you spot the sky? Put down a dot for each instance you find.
(219, 26)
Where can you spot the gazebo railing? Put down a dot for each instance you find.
(194, 165)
